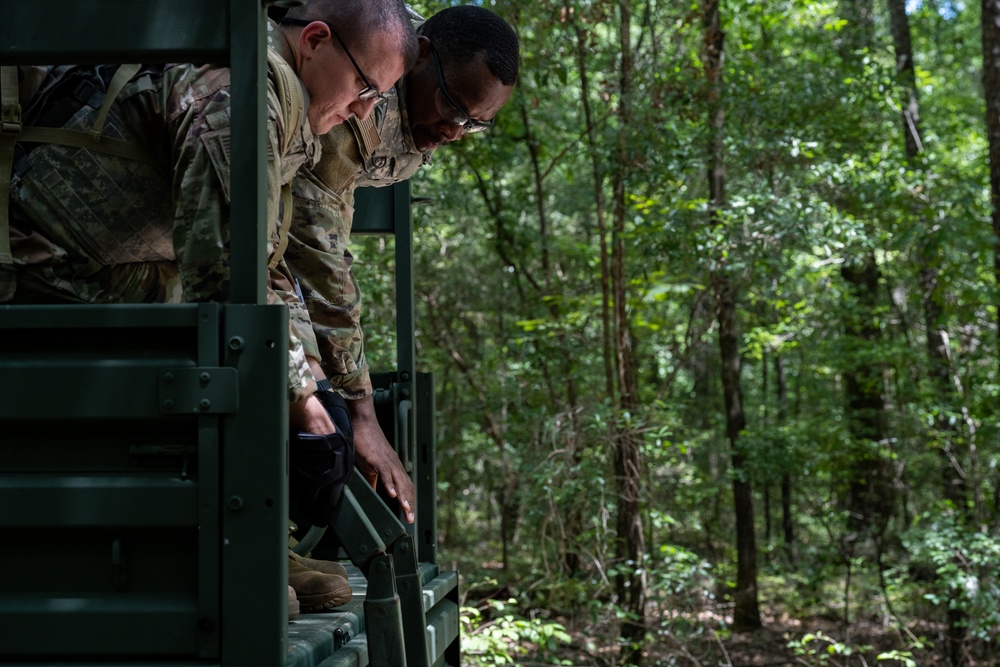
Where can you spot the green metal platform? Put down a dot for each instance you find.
(333, 639)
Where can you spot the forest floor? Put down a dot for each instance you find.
(782, 642)
(802, 627)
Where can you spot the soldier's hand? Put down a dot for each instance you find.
(309, 416)
(376, 459)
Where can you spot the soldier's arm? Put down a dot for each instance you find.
(318, 258)
(201, 162)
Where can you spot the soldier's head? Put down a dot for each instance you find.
(464, 74)
(347, 52)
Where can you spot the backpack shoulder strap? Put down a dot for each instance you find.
(290, 97)
(292, 102)
(10, 128)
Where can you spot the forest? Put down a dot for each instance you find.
(713, 316)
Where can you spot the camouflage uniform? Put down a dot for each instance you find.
(377, 152)
(88, 227)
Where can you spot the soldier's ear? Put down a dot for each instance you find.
(312, 36)
(424, 54)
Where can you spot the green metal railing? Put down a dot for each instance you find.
(137, 604)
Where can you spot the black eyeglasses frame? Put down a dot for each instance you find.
(369, 92)
(470, 124)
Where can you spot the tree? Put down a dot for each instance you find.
(746, 615)
(991, 89)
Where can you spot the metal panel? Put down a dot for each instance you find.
(442, 630)
(68, 501)
(425, 470)
(352, 654)
(100, 389)
(107, 500)
(69, 31)
(250, 569)
(131, 316)
(209, 473)
(438, 586)
(255, 489)
(374, 210)
(248, 208)
(200, 390)
(116, 388)
(143, 625)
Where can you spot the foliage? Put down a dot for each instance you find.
(511, 318)
(966, 570)
(502, 636)
(820, 649)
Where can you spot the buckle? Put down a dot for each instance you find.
(10, 118)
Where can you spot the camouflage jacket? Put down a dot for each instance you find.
(89, 227)
(377, 152)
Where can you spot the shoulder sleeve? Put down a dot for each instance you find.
(198, 100)
(318, 257)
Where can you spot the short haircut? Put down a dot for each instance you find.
(358, 20)
(459, 33)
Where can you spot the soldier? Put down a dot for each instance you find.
(142, 213)
(464, 74)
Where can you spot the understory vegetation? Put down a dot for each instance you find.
(713, 315)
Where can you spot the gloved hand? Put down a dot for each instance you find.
(336, 407)
(322, 464)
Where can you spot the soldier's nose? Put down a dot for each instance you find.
(362, 108)
(453, 132)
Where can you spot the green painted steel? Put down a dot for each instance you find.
(405, 338)
(152, 529)
(248, 207)
(70, 31)
(425, 472)
(340, 638)
(254, 493)
(375, 210)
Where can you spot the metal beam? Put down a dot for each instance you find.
(52, 32)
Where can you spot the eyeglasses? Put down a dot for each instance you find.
(369, 92)
(452, 112)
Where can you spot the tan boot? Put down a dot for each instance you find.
(316, 591)
(324, 566)
(293, 605)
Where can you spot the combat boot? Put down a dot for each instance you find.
(293, 605)
(324, 566)
(317, 591)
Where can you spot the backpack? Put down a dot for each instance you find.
(24, 84)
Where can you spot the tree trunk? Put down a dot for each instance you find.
(787, 526)
(868, 493)
(746, 615)
(765, 424)
(599, 206)
(870, 496)
(906, 75)
(945, 429)
(631, 583)
(991, 89)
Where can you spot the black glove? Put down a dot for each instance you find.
(321, 464)
(336, 407)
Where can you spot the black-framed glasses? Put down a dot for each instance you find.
(453, 112)
(369, 92)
